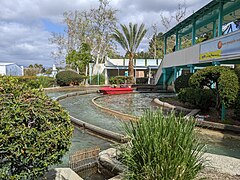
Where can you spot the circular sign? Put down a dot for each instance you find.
(219, 44)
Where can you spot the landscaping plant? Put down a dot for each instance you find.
(66, 78)
(182, 82)
(200, 98)
(120, 80)
(35, 82)
(129, 38)
(221, 80)
(35, 131)
(162, 147)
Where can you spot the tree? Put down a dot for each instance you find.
(35, 131)
(129, 39)
(92, 26)
(32, 70)
(221, 80)
(174, 17)
(156, 45)
(79, 60)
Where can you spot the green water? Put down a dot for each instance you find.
(81, 107)
(82, 140)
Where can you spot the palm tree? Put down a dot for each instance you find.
(130, 39)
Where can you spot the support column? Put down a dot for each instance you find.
(216, 63)
(175, 73)
(149, 75)
(193, 31)
(176, 42)
(106, 76)
(192, 70)
(174, 77)
(180, 42)
(214, 29)
(165, 44)
(220, 18)
(164, 77)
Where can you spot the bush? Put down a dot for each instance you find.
(162, 147)
(237, 71)
(35, 82)
(182, 82)
(225, 79)
(201, 98)
(120, 80)
(237, 108)
(141, 80)
(35, 131)
(95, 79)
(66, 78)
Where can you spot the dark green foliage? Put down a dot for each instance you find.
(101, 79)
(120, 80)
(237, 108)
(35, 131)
(237, 71)
(141, 80)
(225, 80)
(78, 59)
(162, 147)
(66, 78)
(35, 82)
(200, 98)
(182, 82)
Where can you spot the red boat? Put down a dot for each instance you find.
(115, 90)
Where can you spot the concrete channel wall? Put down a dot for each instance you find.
(115, 113)
(95, 129)
(200, 123)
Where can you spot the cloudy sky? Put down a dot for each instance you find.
(26, 25)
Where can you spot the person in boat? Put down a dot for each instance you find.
(123, 86)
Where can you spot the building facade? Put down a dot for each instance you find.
(10, 69)
(144, 69)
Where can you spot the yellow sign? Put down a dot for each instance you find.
(211, 55)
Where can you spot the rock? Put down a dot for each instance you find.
(108, 159)
(62, 174)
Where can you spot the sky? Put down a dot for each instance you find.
(26, 25)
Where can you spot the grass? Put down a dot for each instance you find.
(162, 147)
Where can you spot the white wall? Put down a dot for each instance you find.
(13, 70)
(2, 70)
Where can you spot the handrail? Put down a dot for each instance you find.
(159, 72)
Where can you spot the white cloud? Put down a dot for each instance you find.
(24, 44)
(24, 40)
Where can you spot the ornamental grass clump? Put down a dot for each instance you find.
(162, 147)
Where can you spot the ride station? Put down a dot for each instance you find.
(209, 37)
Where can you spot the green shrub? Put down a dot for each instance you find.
(237, 108)
(141, 80)
(182, 82)
(35, 82)
(162, 147)
(35, 131)
(66, 78)
(225, 80)
(237, 71)
(120, 80)
(201, 98)
(101, 79)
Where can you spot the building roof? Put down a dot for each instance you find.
(206, 15)
(5, 64)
